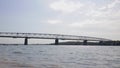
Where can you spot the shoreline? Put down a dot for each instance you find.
(54, 45)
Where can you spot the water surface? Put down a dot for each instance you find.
(59, 56)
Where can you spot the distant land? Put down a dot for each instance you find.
(104, 43)
(109, 43)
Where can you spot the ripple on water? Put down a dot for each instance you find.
(11, 64)
(17, 52)
(41, 51)
(51, 66)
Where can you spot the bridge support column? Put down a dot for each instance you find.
(114, 42)
(56, 41)
(84, 42)
(26, 41)
(100, 42)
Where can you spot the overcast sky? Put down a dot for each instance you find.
(97, 18)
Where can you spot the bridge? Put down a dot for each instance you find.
(57, 37)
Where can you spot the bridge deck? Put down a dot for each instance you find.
(50, 36)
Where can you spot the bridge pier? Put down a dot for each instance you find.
(56, 41)
(100, 42)
(26, 41)
(114, 42)
(84, 42)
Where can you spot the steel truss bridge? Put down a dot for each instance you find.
(57, 37)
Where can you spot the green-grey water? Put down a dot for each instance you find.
(59, 56)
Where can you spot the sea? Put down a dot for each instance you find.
(59, 56)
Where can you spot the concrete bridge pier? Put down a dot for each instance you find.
(56, 41)
(100, 42)
(114, 43)
(26, 41)
(84, 42)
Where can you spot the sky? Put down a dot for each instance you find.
(96, 18)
